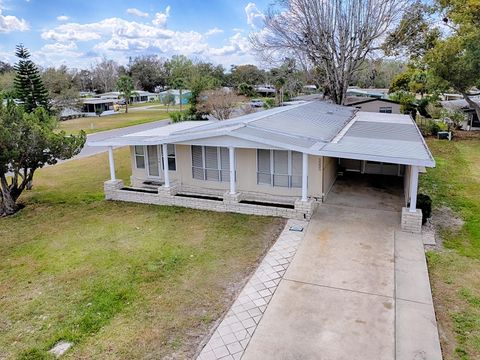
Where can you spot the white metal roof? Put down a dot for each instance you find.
(316, 128)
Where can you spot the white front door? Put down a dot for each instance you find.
(154, 159)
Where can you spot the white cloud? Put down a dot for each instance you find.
(60, 47)
(255, 17)
(161, 18)
(63, 18)
(10, 23)
(213, 31)
(138, 13)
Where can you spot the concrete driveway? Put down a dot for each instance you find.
(338, 299)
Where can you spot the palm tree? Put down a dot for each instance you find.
(126, 88)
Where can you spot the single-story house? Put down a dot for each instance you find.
(139, 96)
(281, 162)
(95, 106)
(186, 94)
(462, 105)
(385, 106)
(369, 93)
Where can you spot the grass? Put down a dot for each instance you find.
(103, 123)
(455, 270)
(119, 280)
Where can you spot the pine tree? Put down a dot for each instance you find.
(29, 87)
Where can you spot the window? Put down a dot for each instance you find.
(172, 164)
(139, 157)
(386, 109)
(210, 163)
(279, 168)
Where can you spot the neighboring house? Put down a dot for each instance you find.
(139, 96)
(462, 105)
(369, 93)
(280, 162)
(265, 89)
(94, 107)
(374, 105)
(186, 94)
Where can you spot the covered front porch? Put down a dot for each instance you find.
(234, 187)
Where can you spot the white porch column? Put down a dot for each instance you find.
(231, 153)
(112, 163)
(304, 176)
(413, 188)
(166, 175)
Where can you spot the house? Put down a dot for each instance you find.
(186, 94)
(462, 105)
(139, 96)
(95, 107)
(369, 93)
(280, 162)
(385, 106)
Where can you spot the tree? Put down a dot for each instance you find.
(220, 103)
(105, 75)
(29, 87)
(126, 88)
(7, 84)
(62, 88)
(148, 72)
(168, 99)
(28, 141)
(335, 35)
(246, 74)
(451, 57)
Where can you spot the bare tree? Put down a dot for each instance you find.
(335, 35)
(220, 103)
(105, 75)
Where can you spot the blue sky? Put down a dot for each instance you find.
(80, 32)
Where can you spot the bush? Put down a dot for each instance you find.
(176, 116)
(268, 103)
(424, 203)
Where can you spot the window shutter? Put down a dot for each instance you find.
(263, 164)
(211, 163)
(280, 166)
(225, 163)
(297, 164)
(197, 163)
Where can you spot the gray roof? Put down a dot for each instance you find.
(316, 128)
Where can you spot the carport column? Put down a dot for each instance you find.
(112, 163)
(304, 176)
(413, 188)
(231, 153)
(166, 176)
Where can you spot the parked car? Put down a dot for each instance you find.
(256, 103)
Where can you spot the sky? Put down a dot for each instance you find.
(79, 33)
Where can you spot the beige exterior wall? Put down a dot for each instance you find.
(374, 106)
(246, 166)
(329, 173)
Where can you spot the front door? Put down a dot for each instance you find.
(153, 156)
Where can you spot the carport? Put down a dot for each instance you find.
(374, 148)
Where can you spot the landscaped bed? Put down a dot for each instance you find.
(454, 186)
(119, 280)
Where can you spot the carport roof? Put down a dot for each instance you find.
(316, 128)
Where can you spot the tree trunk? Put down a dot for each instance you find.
(126, 107)
(8, 204)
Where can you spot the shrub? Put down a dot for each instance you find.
(268, 103)
(176, 116)
(424, 203)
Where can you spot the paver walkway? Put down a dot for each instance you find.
(235, 331)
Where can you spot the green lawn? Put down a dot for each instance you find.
(102, 123)
(120, 280)
(455, 270)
